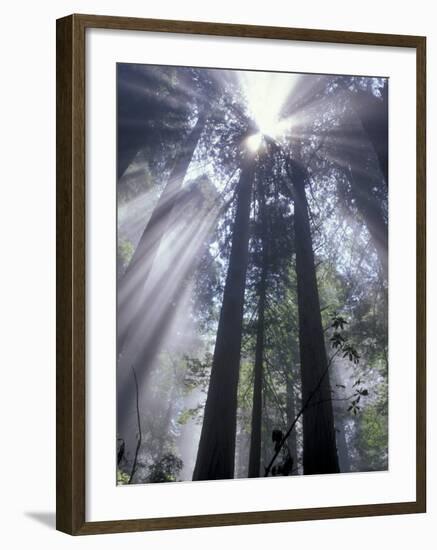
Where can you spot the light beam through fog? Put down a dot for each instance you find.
(312, 150)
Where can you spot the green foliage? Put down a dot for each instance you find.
(197, 372)
(125, 251)
(373, 439)
(122, 477)
(194, 376)
(351, 353)
(347, 350)
(338, 321)
(338, 341)
(190, 413)
(166, 469)
(137, 179)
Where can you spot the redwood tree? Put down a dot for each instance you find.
(216, 453)
(319, 444)
(256, 424)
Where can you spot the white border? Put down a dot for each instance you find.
(105, 501)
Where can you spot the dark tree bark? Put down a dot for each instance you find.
(216, 454)
(319, 445)
(291, 415)
(131, 290)
(140, 431)
(255, 435)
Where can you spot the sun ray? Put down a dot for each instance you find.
(265, 94)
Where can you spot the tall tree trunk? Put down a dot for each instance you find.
(216, 454)
(343, 453)
(319, 452)
(131, 289)
(371, 212)
(291, 415)
(255, 435)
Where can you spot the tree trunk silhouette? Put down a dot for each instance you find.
(255, 435)
(319, 444)
(291, 415)
(216, 453)
(131, 289)
(370, 209)
(140, 431)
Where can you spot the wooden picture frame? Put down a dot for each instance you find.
(71, 253)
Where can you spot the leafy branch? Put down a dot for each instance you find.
(338, 342)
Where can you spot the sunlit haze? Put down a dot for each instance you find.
(266, 94)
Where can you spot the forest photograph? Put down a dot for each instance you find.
(252, 274)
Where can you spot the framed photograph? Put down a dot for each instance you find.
(240, 274)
